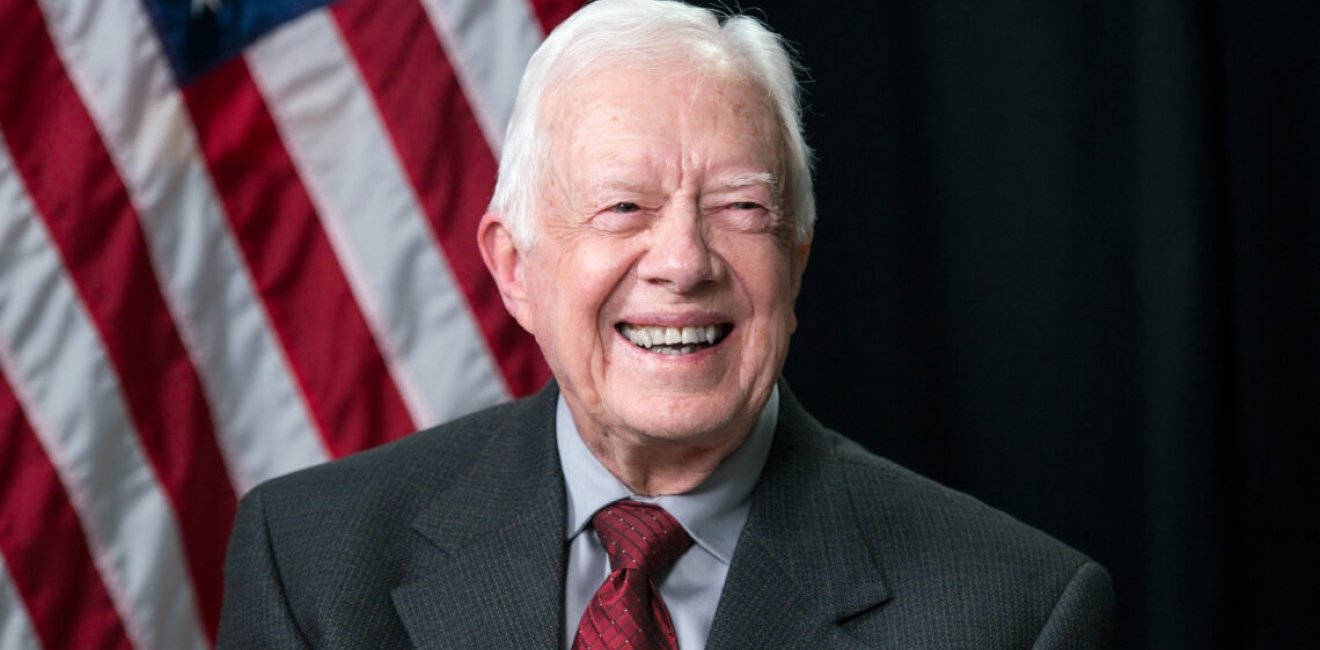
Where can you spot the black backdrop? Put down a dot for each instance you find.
(1068, 260)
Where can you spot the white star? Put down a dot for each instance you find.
(199, 5)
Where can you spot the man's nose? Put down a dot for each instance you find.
(679, 255)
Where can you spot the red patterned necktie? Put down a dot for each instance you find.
(627, 612)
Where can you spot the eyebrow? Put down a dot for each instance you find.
(748, 180)
(737, 182)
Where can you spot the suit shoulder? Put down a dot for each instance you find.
(952, 557)
(391, 479)
(932, 537)
(915, 510)
(344, 533)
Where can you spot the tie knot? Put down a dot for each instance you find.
(640, 536)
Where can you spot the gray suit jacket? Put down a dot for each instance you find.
(454, 538)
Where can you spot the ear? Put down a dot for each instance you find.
(504, 260)
(801, 252)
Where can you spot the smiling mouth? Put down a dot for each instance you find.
(674, 340)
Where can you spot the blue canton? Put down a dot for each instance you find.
(200, 35)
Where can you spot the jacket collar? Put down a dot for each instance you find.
(802, 565)
(490, 567)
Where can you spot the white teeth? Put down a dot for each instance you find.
(670, 340)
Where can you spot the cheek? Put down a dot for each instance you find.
(570, 276)
(773, 304)
(600, 266)
(765, 275)
(549, 294)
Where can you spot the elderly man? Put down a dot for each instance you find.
(650, 227)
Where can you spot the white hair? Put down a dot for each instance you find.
(606, 32)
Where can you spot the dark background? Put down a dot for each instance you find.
(1068, 260)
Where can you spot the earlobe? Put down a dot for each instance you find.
(504, 260)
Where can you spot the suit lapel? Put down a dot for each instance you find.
(489, 565)
(802, 564)
(490, 561)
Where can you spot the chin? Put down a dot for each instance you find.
(696, 419)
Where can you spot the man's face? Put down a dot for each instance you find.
(661, 283)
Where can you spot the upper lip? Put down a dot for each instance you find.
(680, 319)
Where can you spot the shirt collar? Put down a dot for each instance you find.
(713, 513)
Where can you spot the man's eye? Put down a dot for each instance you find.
(745, 205)
(624, 207)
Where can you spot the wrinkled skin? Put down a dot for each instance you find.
(662, 207)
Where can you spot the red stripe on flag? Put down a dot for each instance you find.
(552, 12)
(43, 544)
(77, 190)
(328, 342)
(446, 157)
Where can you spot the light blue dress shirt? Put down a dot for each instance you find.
(713, 515)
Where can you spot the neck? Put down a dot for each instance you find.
(655, 466)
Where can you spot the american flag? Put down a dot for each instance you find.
(236, 239)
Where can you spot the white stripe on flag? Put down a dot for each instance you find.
(16, 630)
(489, 43)
(53, 356)
(114, 59)
(372, 215)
